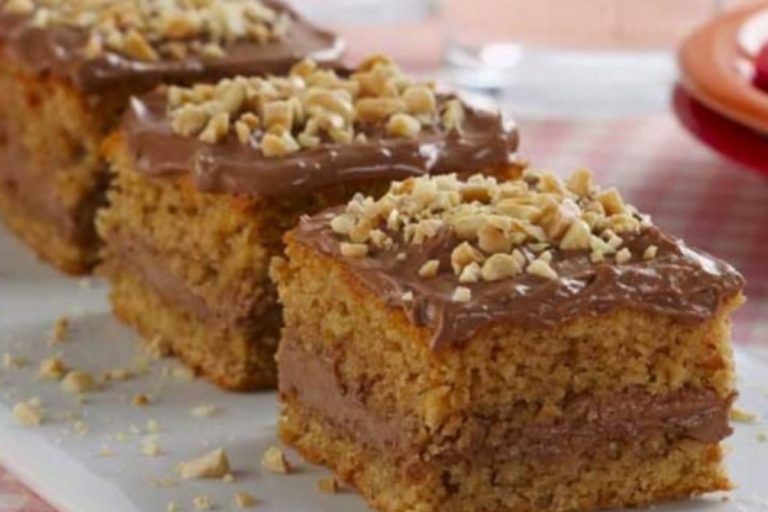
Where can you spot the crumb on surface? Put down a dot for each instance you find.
(28, 413)
(106, 451)
(328, 485)
(150, 447)
(140, 400)
(742, 416)
(274, 460)
(77, 381)
(204, 410)
(212, 465)
(245, 500)
(60, 330)
(12, 361)
(81, 428)
(117, 374)
(202, 502)
(52, 368)
(183, 373)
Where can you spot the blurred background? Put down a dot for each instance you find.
(541, 58)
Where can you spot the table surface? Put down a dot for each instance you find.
(712, 203)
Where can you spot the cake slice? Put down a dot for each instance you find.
(209, 178)
(67, 69)
(520, 346)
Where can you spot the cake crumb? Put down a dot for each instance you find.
(81, 428)
(742, 416)
(762, 437)
(78, 382)
(212, 465)
(245, 500)
(28, 413)
(60, 330)
(274, 460)
(228, 478)
(11, 361)
(106, 451)
(52, 368)
(140, 400)
(153, 426)
(202, 502)
(117, 374)
(172, 507)
(183, 373)
(204, 410)
(150, 447)
(328, 485)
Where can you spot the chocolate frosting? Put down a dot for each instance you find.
(680, 282)
(486, 140)
(631, 414)
(59, 49)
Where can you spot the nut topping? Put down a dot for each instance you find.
(282, 115)
(498, 230)
(152, 30)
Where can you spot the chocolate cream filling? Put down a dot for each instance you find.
(487, 141)
(630, 415)
(230, 309)
(680, 282)
(59, 49)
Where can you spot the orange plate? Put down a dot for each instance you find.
(717, 66)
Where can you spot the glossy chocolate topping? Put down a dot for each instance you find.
(59, 49)
(631, 414)
(486, 141)
(680, 282)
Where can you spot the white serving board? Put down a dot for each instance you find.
(69, 471)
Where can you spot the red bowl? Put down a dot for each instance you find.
(729, 138)
(761, 70)
(718, 66)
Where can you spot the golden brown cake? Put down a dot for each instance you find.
(209, 178)
(521, 346)
(67, 70)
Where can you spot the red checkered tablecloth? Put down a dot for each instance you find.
(691, 192)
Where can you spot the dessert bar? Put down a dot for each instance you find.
(209, 178)
(525, 345)
(67, 69)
